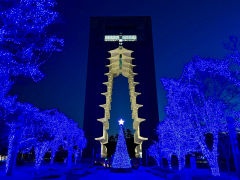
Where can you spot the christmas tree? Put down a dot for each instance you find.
(121, 158)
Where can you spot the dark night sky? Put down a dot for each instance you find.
(181, 30)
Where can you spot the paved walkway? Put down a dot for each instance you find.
(134, 175)
(26, 173)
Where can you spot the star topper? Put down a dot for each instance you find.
(121, 122)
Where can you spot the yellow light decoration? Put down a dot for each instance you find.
(121, 63)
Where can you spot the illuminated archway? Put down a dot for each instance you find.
(121, 63)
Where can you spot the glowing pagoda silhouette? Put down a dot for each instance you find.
(121, 63)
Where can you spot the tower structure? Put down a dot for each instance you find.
(121, 63)
(134, 60)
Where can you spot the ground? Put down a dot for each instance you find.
(27, 173)
(135, 174)
(60, 172)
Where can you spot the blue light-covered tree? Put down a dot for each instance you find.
(121, 159)
(166, 141)
(25, 44)
(165, 146)
(48, 130)
(219, 79)
(155, 151)
(44, 135)
(198, 116)
(179, 122)
(80, 144)
(32, 130)
(59, 131)
(70, 142)
(176, 135)
(209, 91)
(20, 122)
(74, 141)
(210, 119)
(173, 140)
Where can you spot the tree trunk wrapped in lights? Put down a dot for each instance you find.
(169, 159)
(53, 153)
(75, 141)
(40, 151)
(181, 162)
(13, 146)
(70, 154)
(19, 122)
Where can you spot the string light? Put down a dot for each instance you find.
(121, 159)
(194, 109)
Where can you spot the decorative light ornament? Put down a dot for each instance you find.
(121, 122)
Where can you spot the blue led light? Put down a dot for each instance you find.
(25, 44)
(196, 106)
(121, 159)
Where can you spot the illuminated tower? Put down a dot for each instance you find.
(130, 55)
(121, 63)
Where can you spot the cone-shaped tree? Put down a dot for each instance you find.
(121, 158)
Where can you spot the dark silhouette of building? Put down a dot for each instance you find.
(144, 61)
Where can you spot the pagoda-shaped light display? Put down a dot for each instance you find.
(121, 63)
